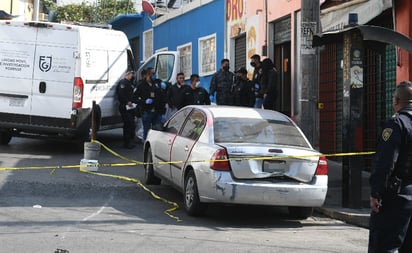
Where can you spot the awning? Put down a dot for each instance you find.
(369, 33)
(5, 16)
(124, 19)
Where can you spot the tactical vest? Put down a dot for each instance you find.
(403, 166)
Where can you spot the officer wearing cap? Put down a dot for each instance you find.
(127, 108)
(391, 181)
(243, 91)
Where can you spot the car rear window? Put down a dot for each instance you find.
(258, 131)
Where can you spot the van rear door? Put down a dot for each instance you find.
(17, 48)
(54, 71)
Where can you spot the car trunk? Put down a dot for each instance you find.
(271, 161)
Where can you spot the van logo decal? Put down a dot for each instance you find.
(45, 63)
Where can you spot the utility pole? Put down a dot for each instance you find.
(308, 118)
(36, 7)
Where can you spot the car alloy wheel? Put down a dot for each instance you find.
(192, 203)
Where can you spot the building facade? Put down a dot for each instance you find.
(23, 9)
(196, 30)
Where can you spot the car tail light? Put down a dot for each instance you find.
(322, 168)
(77, 93)
(219, 161)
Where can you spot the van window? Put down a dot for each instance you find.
(130, 61)
(149, 64)
(164, 68)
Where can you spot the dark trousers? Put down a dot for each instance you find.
(391, 228)
(129, 126)
(150, 120)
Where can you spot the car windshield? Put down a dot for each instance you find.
(259, 131)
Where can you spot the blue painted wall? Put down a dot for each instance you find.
(189, 27)
(133, 26)
(207, 20)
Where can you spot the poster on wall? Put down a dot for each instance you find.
(308, 29)
(252, 35)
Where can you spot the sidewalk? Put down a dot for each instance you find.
(333, 203)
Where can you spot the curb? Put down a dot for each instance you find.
(360, 219)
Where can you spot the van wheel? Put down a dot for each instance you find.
(192, 202)
(149, 177)
(5, 138)
(300, 212)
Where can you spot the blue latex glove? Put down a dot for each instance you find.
(149, 101)
(163, 85)
(257, 86)
(212, 99)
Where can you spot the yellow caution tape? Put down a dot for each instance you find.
(134, 180)
(132, 162)
(140, 184)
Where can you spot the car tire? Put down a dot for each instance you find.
(149, 177)
(300, 212)
(5, 138)
(192, 202)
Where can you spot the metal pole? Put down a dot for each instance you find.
(308, 118)
(36, 6)
(93, 134)
(265, 46)
(353, 89)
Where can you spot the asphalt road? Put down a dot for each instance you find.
(65, 210)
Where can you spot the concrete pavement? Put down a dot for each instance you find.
(333, 203)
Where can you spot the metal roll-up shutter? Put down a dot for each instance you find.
(240, 52)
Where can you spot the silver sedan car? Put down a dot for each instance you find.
(236, 155)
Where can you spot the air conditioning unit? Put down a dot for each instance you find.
(43, 17)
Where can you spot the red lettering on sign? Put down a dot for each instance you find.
(234, 9)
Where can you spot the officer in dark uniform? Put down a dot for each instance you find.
(221, 84)
(194, 94)
(256, 79)
(152, 101)
(391, 180)
(243, 91)
(127, 108)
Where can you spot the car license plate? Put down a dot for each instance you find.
(273, 166)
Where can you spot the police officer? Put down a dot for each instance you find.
(221, 84)
(243, 90)
(152, 102)
(195, 94)
(391, 180)
(256, 79)
(127, 108)
(175, 95)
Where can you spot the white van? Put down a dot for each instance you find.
(51, 73)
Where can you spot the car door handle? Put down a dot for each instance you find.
(42, 87)
(186, 148)
(169, 142)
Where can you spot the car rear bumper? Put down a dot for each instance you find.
(224, 189)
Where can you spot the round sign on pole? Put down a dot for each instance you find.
(148, 8)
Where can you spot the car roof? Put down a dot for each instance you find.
(220, 111)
